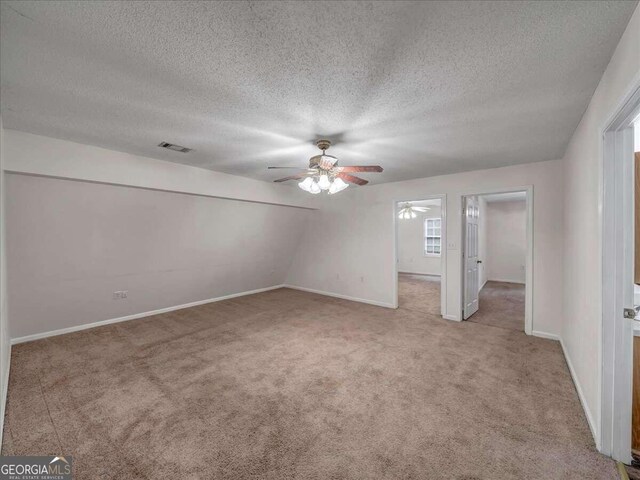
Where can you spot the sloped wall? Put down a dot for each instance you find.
(72, 244)
(84, 222)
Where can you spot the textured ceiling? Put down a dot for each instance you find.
(421, 88)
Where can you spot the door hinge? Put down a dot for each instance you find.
(631, 313)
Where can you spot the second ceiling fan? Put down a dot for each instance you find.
(325, 174)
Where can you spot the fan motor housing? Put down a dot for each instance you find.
(323, 162)
(323, 144)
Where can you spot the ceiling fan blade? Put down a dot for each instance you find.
(354, 169)
(352, 179)
(421, 209)
(292, 177)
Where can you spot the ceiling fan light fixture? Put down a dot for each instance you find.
(314, 188)
(324, 173)
(337, 186)
(327, 161)
(323, 182)
(306, 184)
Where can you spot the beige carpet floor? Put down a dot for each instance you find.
(419, 292)
(501, 303)
(292, 385)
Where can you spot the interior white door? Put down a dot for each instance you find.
(470, 256)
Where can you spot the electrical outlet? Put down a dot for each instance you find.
(120, 294)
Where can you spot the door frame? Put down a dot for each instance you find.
(443, 249)
(528, 301)
(616, 222)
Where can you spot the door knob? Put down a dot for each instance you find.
(478, 261)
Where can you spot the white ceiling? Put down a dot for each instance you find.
(421, 88)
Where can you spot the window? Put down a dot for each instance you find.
(432, 236)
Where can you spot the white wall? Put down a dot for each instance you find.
(357, 228)
(581, 328)
(411, 256)
(38, 155)
(5, 342)
(71, 244)
(506, 237)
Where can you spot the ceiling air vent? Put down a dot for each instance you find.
(175, 148)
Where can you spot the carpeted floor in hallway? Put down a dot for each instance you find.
(293, 385)
(420, 293)
(501, 303)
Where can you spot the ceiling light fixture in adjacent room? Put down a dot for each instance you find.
(408, 211)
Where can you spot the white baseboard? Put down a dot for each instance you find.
(502, 280)
(62, 331)
(587, 413)
(344, 297)
(550, 336)
(421, 273)
(452, 317)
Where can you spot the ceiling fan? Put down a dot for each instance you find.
(325, 174)
(408, 211)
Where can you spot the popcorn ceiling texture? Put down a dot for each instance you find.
(421, 88)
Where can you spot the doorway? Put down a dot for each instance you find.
(634, 470)
(497, 259)
(420, 254)
(618, 312)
